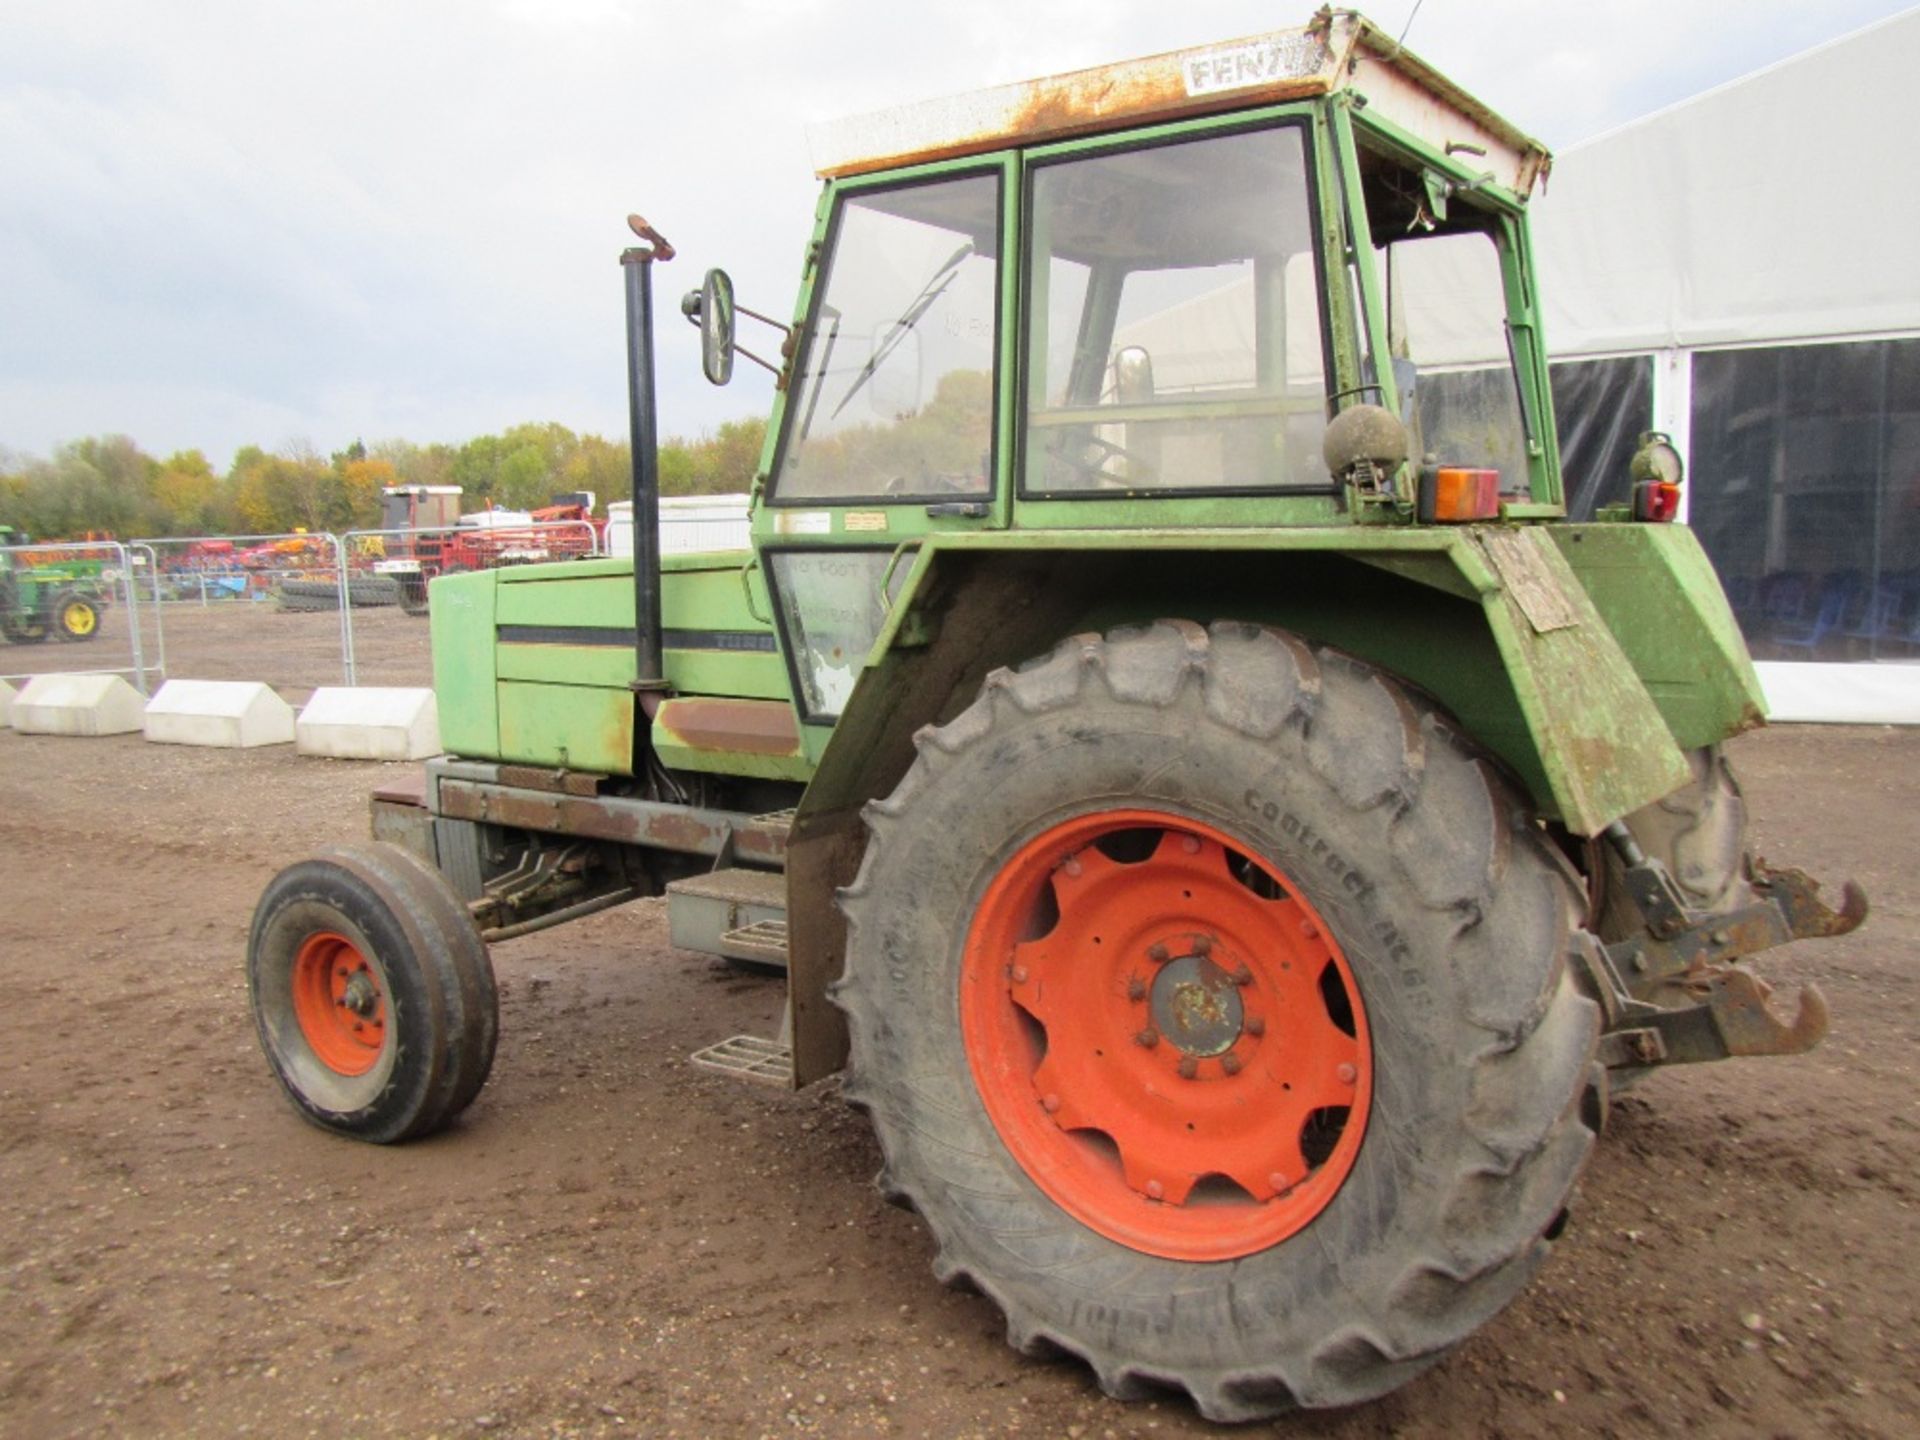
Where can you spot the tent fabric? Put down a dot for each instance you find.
(1773, 208)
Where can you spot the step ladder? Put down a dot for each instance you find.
(739, 914)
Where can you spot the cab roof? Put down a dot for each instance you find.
(1336, 51)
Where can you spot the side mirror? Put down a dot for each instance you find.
(1133, 376)
(712, 307)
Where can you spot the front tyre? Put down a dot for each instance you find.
(1208, 995)
(372, 993)
(75, 616)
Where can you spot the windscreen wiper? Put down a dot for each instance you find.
(898, 331)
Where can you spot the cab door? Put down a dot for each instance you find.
(896, 421)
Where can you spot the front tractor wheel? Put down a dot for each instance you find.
(75, 616)
(1209, 997)
(372, 993)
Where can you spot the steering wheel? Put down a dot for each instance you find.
(1074, 455)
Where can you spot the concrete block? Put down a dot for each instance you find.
(6, 704)
(236, 714)
(368, 722)
(77, 705)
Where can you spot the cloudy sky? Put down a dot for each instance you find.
(269, 221)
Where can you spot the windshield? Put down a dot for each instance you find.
(1176, 339)
(894, 396)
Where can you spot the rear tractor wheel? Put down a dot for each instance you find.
(372, 992)
(1256, 1066)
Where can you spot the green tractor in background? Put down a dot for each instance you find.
(39, 600)
(1231, 831)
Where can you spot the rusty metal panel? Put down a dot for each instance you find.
(1260, 70)
(819, 867)
(680, 828)
(756, 727)
(1515, 557)
(1337, 50)
(407, 825)
(1405, 90)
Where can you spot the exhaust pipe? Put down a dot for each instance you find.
(650, 681)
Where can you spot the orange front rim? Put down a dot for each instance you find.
(339, 1003)
(1165, 1034)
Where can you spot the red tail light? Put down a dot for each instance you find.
(1656, 501)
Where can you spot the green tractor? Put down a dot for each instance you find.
(39, 600)
(1228, 829)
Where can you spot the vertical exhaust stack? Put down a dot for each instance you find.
(650, 681)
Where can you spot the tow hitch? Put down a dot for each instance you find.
(1674, 995)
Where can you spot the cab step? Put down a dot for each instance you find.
(764, 942)
(735, 913)
(750, 1057)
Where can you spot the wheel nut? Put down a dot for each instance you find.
(1256, 1026)
(1019, 974)
(1278, 1182)
(1136, 988)
(1147, 1038)
(1190, 844)
(1157, 954)
(1189, 1067)
(1309, 929)
(1155, 1189)
(1230, 1063)
(1241, 975)
(1203, 944)
(1347, 1074)
(1072, 867)
(1050, 1103)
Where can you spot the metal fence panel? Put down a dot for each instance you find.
(413, 558)
(250, 607)
(69, 608)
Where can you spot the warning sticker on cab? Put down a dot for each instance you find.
(803, 522)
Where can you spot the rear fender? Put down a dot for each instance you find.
(1492, 621)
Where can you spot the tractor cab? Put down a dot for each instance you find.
(1136, 299)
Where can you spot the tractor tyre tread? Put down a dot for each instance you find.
(1389, 1288)
(438, 982)
(1699, 832)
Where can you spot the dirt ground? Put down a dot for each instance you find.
(613, 1242)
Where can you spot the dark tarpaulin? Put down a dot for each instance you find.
(1600, 408)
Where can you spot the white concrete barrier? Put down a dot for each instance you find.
(77, 705)
(366, 722)
(6, 704)
(1866, 693)
(234, 714)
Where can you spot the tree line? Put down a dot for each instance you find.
(108, 485)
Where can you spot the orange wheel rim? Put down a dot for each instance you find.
(1166, 1035)
(340, 1003)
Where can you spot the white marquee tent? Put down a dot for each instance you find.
(1742, 271)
